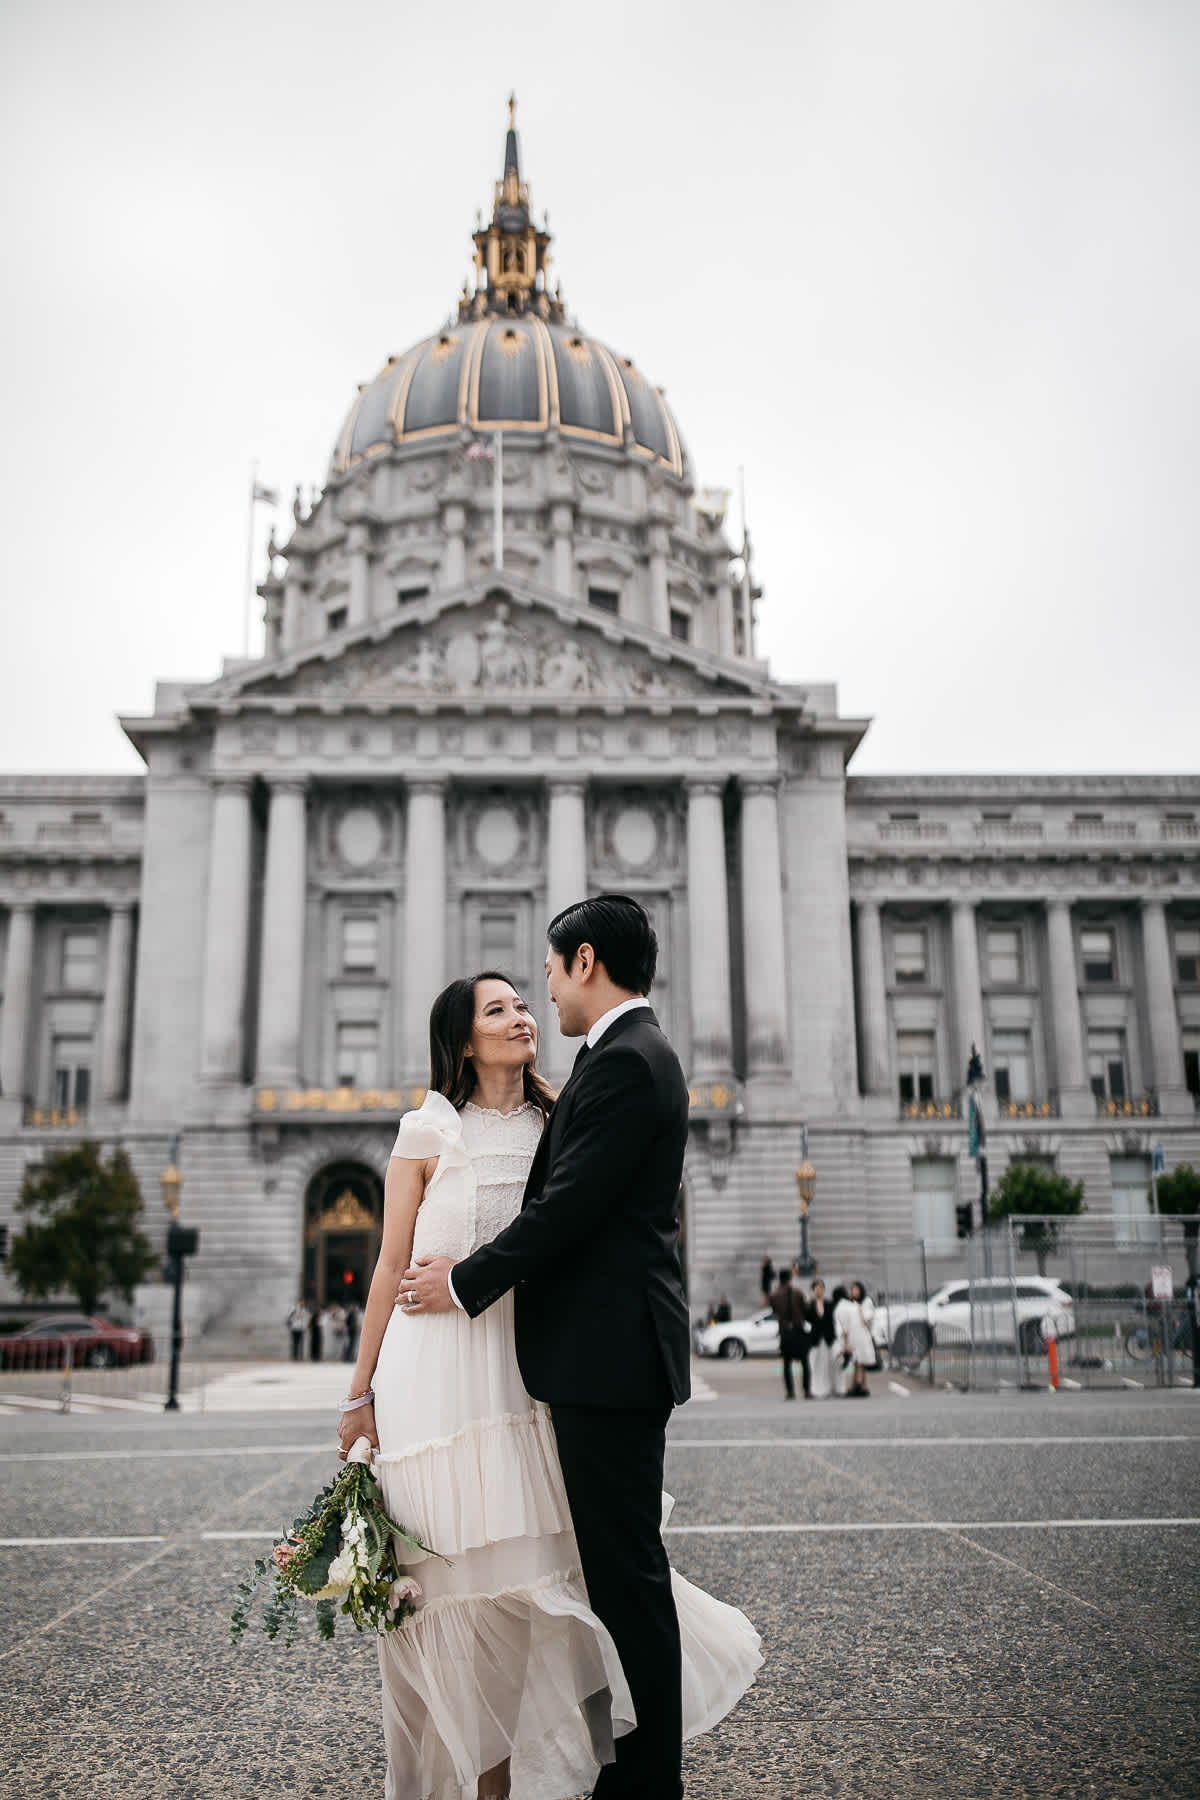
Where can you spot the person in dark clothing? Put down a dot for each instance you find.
(795, 1332)
(767, 1277)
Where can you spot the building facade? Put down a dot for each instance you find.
(510, 659)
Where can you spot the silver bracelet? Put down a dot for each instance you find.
(349, 1405)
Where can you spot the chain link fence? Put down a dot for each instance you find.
(1041, 1301)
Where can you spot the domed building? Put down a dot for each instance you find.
(510, 659)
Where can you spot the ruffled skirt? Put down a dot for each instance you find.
(505, 1657)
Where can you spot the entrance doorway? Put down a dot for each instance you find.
(343, 1228)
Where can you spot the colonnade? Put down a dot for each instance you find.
(424, 971)
(17, 1022)
(1064, 1013)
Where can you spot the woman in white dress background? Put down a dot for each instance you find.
(505, 1674)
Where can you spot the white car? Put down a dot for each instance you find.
(976, 1312)
(736, 1338)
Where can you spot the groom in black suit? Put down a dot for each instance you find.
(602, 1329)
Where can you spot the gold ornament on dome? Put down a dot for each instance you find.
(444, 348)
(347, 1214)
(579, 352)
(511, 342)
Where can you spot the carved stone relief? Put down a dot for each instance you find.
(495, 834)
(464, 653)
(358, 835)
(635, 831)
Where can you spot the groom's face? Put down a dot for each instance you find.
(567, 994)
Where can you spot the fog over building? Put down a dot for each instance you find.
(467, 716)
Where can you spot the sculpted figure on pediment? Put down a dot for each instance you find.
(501, 659)
(566, 670)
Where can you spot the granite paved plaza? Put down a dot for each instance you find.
(1044, 1641)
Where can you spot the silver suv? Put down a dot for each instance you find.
(977, 1312)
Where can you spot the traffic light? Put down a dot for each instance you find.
(964, 1221)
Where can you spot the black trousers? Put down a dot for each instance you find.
(612, 1464)
(789, 1385)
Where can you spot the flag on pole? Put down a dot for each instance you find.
(1159, 1165)
(268, 496)
(976, 1135)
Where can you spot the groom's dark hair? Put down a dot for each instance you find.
(619, 931)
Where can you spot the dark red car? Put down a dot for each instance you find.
(94, 1344)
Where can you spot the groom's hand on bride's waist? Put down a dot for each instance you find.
(425, 1286)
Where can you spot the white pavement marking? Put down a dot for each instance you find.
(959, 1525)
(922, 1443)
(898, 1387)
(808, 1528)
(185, 1455)
(26, 1543)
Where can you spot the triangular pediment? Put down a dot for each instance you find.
(493, 640)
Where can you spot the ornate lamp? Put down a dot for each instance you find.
(806, 1182)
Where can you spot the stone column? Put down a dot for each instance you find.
(1166, 1047)
(566, 882)
(454, 553)
(872, 999)
(227, 934)
(660, 599)
(1070, 1067)
(281, 965)
(564, 558)
(358, 602)
(424, 918)
(708, 924)
(114, 1019)
(764, 944)
(18, 993)
(968, 989)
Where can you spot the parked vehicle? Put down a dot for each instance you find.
(736, 1338)
(976, 1312)
(93, 1343)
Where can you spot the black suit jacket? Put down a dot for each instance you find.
(601, 1317)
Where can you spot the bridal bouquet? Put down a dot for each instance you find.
(340, 1553)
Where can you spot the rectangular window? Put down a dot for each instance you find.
(681, 625)
(1012, 1066)
(1096, 948)
(409, 596)
(908, 947)
(336, 618)
(604, 600)
(360, 943)
(1133, 1220)
(80, 960)
(498, 939)
(72, 1073)
(1191, 1063)
(357, 1055)
(933, 1200)
(1106, 1065)
(1187, 955)
(1003, 955)
(914, 1059)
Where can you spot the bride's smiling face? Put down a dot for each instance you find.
(503, 1035)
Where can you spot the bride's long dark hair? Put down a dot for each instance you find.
(451, 1021)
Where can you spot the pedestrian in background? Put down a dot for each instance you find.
(767, 1277)
(353, 1323)
(788, 1305)
(315, 1334)
(820, 1344)
(297, 1324)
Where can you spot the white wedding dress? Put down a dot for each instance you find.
(505, 1657)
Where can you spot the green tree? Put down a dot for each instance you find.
(1179, 1193)
(84, 1231)
(1028, 1188)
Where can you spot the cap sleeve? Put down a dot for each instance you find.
(432, 1130)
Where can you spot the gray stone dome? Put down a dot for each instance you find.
(515, 373)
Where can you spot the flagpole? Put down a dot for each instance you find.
(249, 562)
(498, 504)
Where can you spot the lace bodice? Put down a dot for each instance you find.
(484, 1159)
(501, 1147)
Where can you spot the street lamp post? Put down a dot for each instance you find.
(180, 1243)
(806, 1182)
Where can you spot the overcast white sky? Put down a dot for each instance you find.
(927, 268)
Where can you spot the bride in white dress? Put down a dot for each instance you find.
(505, 1680)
